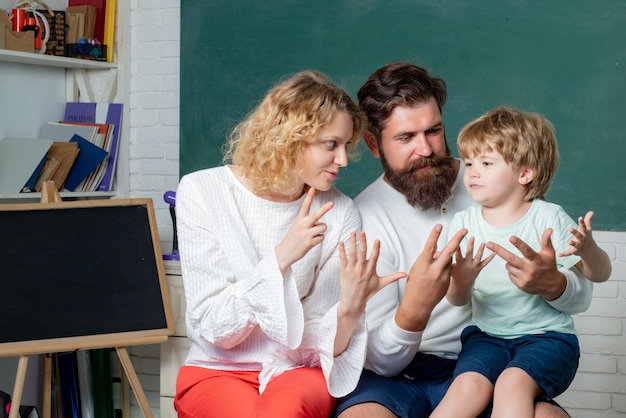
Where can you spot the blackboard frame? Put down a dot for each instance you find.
(37, 221)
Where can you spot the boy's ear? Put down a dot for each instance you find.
(371, 142)
(526, 176)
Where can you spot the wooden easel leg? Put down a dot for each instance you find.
(19, 387)
(47, 386)
(134, 382)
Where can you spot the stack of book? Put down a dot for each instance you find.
(78, 153)
(81, 23)
(93, 22)
(87, 384)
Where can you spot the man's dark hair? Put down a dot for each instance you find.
(397, 84)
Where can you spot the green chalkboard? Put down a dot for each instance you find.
(563, 58)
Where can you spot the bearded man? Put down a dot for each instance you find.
(413, 332)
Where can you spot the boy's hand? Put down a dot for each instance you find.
(534, 272)
(466, 268)
(583, 240)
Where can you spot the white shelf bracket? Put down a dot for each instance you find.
(110, 88)
(81, 81)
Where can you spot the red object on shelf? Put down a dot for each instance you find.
(17, 19)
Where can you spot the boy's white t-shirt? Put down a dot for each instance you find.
(500, 308)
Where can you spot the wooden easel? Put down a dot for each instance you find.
(127, 365)
(49, 194)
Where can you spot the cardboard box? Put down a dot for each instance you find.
(15, 41)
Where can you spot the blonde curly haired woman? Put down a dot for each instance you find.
(275, 282)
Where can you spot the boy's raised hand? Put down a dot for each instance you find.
(464, 271)
(466, 267)
(583, 240)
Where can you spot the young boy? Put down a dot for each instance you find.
(519, 348)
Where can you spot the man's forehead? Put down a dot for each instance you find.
(420, 116)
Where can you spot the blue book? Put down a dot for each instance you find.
(30, 184)
(88, 159)
(68, 383)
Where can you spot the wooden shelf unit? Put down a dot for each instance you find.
(37, 86)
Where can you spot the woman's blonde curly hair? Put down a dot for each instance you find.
(268, 145)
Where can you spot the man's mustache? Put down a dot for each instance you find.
(434, 161)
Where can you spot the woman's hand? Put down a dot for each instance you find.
(359, 282)
(305, 233)
(359, 279)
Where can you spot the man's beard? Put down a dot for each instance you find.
(427, 189)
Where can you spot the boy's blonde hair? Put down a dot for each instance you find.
(268, 145)
(524, 139)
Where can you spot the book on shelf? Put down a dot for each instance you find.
(64, 150)
(85, 386)
(109, 28)
(100, 7)
(21, 161)
(107, 113)
(69, 401)
(101, 383)
(49, 168)
(31, 183)
(116, 384)
(63, 132)
(113, 117)
(65, 153)
(96, 133)
(81, 23)
(88, 159)
(102, 139)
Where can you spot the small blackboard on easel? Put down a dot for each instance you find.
(81, 275)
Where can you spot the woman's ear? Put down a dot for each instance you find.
(371, 142)
(526, 176)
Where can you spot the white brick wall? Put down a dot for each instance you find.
(154, 104)
(599, 389)
(154, 138)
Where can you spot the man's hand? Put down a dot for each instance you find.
(534, 272)
(428, 281)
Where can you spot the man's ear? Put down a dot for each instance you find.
(526, 176)
(371, 142)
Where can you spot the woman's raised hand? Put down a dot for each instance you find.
(306, 232)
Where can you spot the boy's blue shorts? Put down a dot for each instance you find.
(414, 393)
(551, 359)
